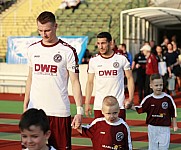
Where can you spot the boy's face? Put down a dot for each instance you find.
(34, 138)
(111, 113)
(157, 86)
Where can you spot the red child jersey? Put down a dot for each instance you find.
(160, 109)
(151, 65)
(106, 135)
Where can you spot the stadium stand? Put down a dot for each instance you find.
(100, 15)
(20, 20)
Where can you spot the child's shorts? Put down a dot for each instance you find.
(159, 137)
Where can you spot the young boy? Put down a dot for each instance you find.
(110, 131)
(35, 130)
(160, 108)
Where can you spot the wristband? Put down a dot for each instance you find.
(80, 110)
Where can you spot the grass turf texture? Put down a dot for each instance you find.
(15, 107)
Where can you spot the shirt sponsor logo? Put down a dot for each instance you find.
(108, 73)
(161, 115)
(102, 132)
(57, 58)
(152, 105)
(114, 147)
(164, 105)
(36, 56)
(119, 136)
(45, 69)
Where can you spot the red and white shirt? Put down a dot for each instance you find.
(50, 65)
(105, 135)
(109, 77)
(160, 109)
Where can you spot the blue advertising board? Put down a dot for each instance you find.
(17, 47)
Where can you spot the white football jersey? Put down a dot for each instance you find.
(109, 77)
(50, 65)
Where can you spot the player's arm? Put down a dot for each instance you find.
(77, 93)
(27, 90)
(88, 93)
(128, 102)
(174, 121)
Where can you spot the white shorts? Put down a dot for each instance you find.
(159, 137)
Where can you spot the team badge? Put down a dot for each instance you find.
(119, 136)
(115, 64)
(57, 58)
(164, 105)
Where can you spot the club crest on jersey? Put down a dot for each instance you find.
(119, 136)
(164, 105)
(115, 64)
(57, 58)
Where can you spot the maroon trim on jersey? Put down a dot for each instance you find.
(74, 52)
(49, 45)
(35, 43)
(107, 57)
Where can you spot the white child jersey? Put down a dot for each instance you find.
(109, 77)
(50, 65)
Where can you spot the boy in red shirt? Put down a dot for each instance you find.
(110, 131)
(160, 109)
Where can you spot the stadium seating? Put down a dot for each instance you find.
(100, 15)
(20, 19)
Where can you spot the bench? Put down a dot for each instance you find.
(12, 80)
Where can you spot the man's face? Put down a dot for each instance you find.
(47, 31)
(34, 138)
(103, 46)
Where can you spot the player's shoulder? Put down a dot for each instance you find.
(66, 45)
(34, 44)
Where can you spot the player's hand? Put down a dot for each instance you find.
(128, 103)
(88, 110)
(77, 121)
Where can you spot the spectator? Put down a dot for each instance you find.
(110, 130)
(72, 4)
(151, 66)
(51, 62)
(153, 47)
(122, 48)
(108, 69)
(139, 65)
(164, 45)
(160, 108)
(86, 58)
(162, 67)
(173, 63)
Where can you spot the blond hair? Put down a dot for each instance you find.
(110, 101)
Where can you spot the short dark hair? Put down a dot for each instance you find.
(34, 117)
(123, 45)
(45, 17)
(106, 35)
(155, 76)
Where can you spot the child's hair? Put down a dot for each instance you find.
(155, 76)
(34, 117)
(110, 101)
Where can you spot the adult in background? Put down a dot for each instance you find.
(108, 68)
(51, 62)
(151, 67)
(174, 65)
(139, 65)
